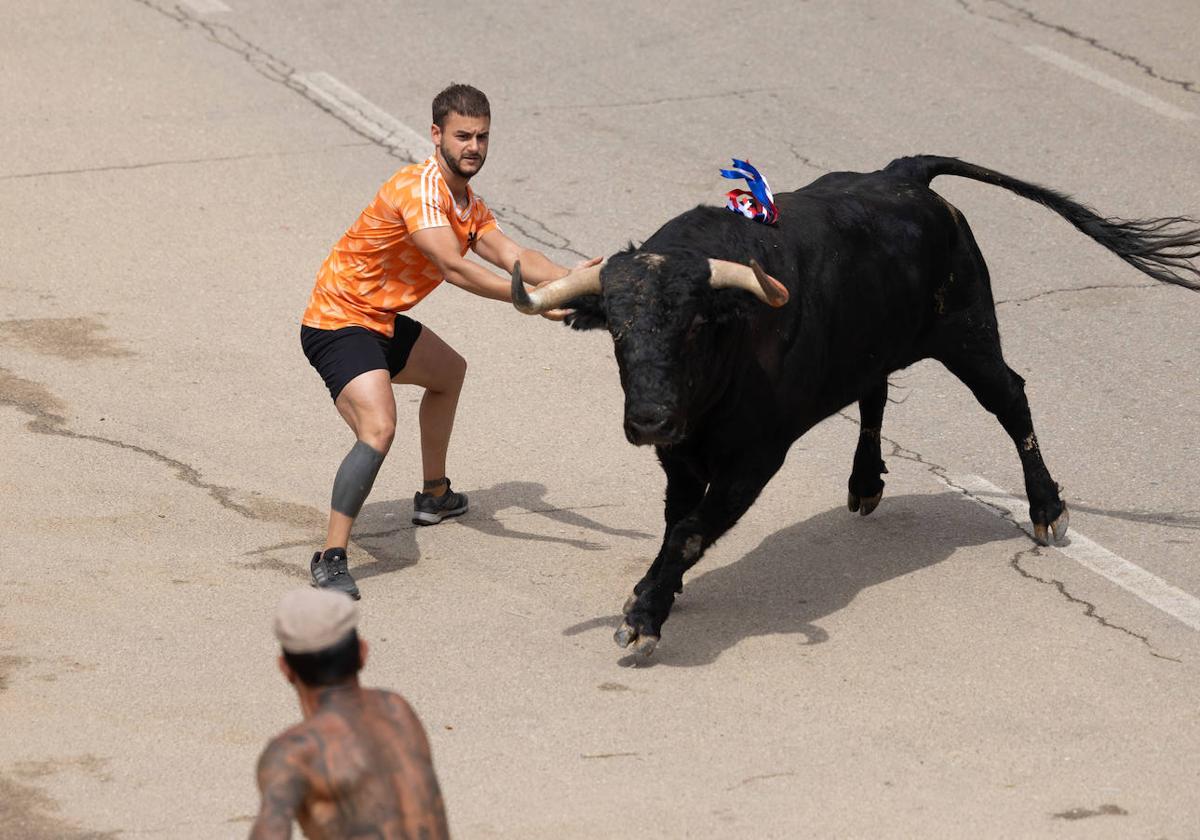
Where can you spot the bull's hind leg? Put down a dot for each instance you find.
(866, 485)
(1001, 391)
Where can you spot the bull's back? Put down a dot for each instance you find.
(873, 250)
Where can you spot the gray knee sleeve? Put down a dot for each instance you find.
(354, 479)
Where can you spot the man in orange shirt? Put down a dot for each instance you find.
(414, 234)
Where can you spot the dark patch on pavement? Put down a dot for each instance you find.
(93, 765)
(67, 338)
(9, 664)
(31, 398)
(28, 813)
(612, 686)
(1084, 813)
(274, 564)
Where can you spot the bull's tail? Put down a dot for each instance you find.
(1162, 248)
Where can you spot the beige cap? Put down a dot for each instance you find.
(309, 620)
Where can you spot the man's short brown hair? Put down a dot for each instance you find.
(461, 99)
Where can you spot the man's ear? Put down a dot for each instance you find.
(362, 652)
(435, 134)
(588, 315)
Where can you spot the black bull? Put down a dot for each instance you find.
(880, 272)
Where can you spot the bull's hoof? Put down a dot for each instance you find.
(642, 644)
(864, 505)
(1058, 528)
(646, 645)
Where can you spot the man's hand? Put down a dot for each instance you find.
(561, 314)
(586, 263)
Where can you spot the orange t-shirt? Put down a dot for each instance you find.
(374, 270)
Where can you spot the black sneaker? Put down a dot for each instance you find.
(329, 571)
(429, 509)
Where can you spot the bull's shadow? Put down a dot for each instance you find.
(808, 571)
(384, 529)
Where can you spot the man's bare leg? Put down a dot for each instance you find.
(439, 369)
(368, 406)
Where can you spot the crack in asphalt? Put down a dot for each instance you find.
(642, 103)
(1089, 610)
(809, 162)
(971, 11)
(761, 778)
(35, 400)
(511, 214)
(1095, 43)
(609, 755)
(269, 66)
(1094, 288)
(277, 70)
(178, 162)
(937, 470)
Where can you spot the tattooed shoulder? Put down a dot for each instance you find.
(283, 782)
(396, 705)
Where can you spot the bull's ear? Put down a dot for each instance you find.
(589, 313)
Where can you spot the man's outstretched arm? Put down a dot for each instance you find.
(441, 247)
(283, 785)
(502, 252)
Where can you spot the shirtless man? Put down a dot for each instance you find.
(358, 765)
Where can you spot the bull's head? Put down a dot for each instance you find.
(658, 309)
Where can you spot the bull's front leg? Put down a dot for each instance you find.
(727, 498)
(685, 491)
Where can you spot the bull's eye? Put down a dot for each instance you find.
(694, 328)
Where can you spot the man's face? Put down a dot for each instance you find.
(463, 143)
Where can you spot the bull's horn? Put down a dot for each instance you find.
(552, 295)
(751, 277)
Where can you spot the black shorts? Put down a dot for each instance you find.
(340, 355)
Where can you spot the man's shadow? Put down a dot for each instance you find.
(808, 571)
(384, 530)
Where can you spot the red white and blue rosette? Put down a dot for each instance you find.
(755, 203)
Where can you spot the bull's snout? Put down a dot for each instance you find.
(653, 426)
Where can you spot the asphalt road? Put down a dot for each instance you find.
(172, 175)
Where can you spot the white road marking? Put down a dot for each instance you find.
(205, 7)
(1091, 555)
(366, 116)
(1093, 75)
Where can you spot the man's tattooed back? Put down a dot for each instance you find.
(358, 766)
